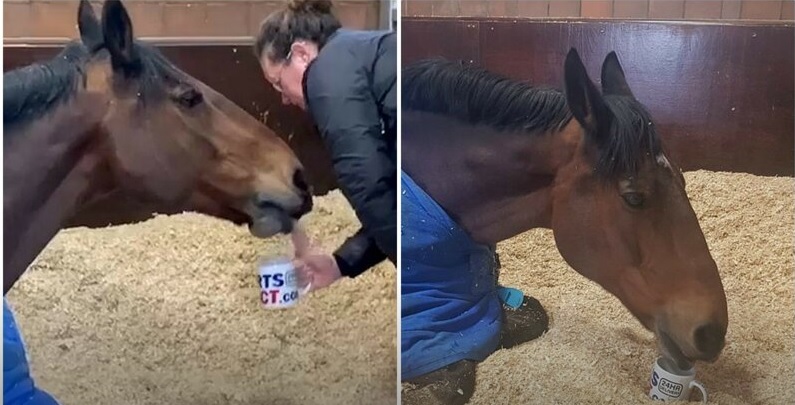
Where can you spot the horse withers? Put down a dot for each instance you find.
(502, 157)
(110, 132)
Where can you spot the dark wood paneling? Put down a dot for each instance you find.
(645, 9)
(447, 38)
(722, 94)
(233, 71)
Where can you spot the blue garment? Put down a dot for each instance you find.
(450, 309)
(18, 386)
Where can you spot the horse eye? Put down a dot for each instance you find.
(634, 200)
(190, 97)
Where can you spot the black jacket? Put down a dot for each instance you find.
(351, 93)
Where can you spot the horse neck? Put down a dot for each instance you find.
(494, 185)
(51, 167)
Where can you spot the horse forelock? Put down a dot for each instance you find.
(631, 141)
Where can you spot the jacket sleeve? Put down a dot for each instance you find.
(358, 254)
(342, 105)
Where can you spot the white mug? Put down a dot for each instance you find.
(669, 383)
(278, 281)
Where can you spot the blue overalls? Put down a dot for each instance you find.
(450, 308)
(18, 386)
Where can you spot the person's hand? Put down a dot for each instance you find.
(313, 265)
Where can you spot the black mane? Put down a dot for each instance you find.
(32, 91)
(480, 97)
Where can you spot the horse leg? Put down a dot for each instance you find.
(18, 385)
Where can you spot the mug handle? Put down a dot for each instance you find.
(306, 289)
(700, 388)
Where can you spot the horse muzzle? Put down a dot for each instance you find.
(269, 218)
(704, 343)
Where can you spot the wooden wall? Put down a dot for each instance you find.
(721, 94)
(643, 9)
(163, 18)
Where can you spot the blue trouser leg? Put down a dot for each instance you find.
(448, 315)
(450, 307)
(18, 385)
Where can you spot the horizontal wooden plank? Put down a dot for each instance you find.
(58, 18)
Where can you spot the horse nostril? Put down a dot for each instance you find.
(709, 339)
(263, 201)
(300, 181)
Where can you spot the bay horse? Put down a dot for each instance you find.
(110, 132)
(502, 157)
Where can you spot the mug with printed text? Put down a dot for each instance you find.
(279, 284)
(669, 383)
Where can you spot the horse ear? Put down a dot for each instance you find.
(88, 25)
(118, 33)
(582, 96)
(613, 79)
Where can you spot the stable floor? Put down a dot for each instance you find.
(167, 312)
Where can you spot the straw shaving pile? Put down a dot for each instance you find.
(596, 353)
(167, 312)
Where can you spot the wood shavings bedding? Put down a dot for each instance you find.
(166, 312)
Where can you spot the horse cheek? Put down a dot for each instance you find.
(148, 164)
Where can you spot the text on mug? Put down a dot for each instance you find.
(670, 388)
(272, 297)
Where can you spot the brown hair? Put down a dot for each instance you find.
(310, 20)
